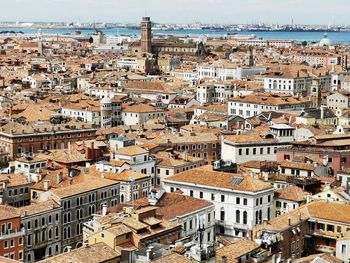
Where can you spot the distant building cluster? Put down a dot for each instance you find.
(173, 149)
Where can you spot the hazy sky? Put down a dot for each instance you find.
(186, 11)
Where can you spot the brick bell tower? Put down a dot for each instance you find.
(146, 35)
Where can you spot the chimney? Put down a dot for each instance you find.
(322, 112)
(104, 209)
(149, 253)
(223, 259)
(93, 150)
(88, 152)
(59, 177)
(46, 185)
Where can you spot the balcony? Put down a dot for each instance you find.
(325, 249)
(220, 222)
(324, 233)
(13, 234)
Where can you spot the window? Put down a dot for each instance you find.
(209, 217)
(238, 200)
(260, 217)
(238, 216)
(222, 198)
(240, 152)
(185, 226)
(245, 217)
(6, 244)
(200, 194)
(343, 249)
(222, 215)
(191, 193)
(245, 201)
(191, 224)
(212, 196)
(330, 228)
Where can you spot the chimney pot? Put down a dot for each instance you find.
(46, 185)
(69, 248)
(104, 210)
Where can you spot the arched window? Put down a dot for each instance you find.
(222, 214)
(122, 198)
(69, 232)
(260, 217)
(238, 216)
(245, 217)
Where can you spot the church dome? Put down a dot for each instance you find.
(106, 100)
(325, 41)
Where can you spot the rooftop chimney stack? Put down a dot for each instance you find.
(104, 209)
(46, 185)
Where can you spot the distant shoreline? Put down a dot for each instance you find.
(211, 29)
